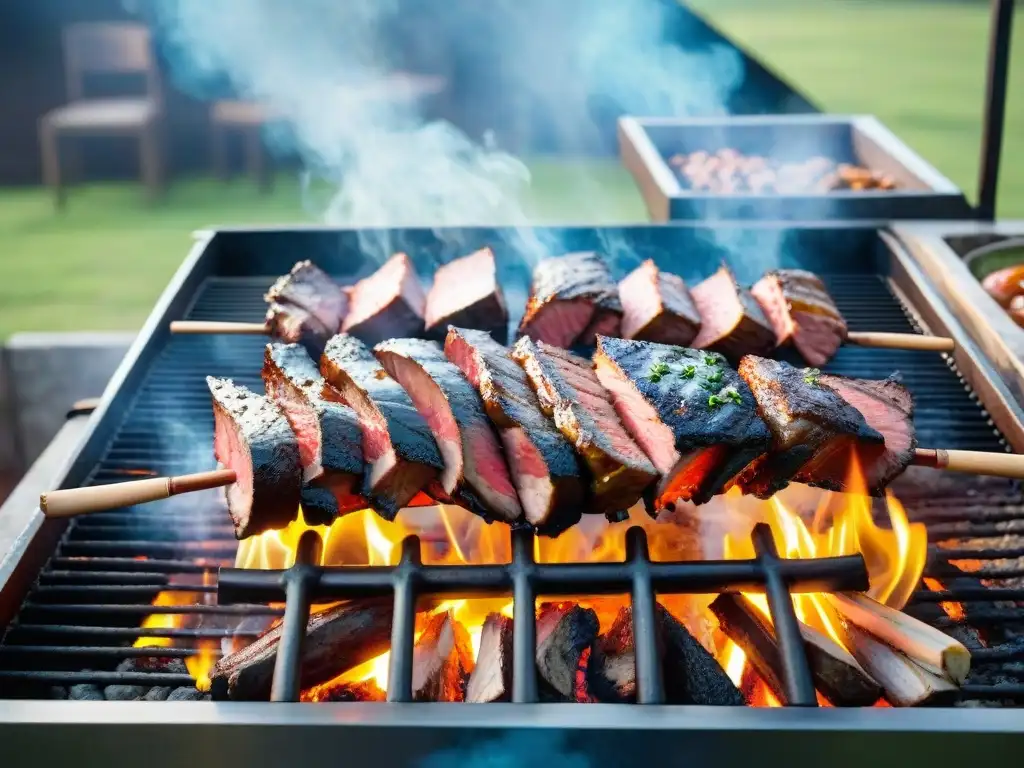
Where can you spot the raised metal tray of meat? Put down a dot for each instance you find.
(784, 167)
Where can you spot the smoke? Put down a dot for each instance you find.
(319, 65)
(535, 748)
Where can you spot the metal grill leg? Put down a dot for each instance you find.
(403, 622)
(797, 670)
(524, 620)
(298, 581)
(650, 688)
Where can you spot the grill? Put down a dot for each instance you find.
(72, 621)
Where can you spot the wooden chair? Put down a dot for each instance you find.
(105, 49)
(248, 119)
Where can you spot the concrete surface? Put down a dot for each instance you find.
(41, 375)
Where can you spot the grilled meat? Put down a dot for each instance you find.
(399, 453)
(810, 423)
(571, 295)
(466, 294)
(801, 311)
(475, 473)
(887, 407)
(310, 288)
(569, 392)
(294, 325)
(390, 302)
(731, 320)
(657, 307)
(328, 433)
(545, 470)
(252, 437)
(690, 412)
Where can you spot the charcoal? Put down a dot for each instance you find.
(157, 693)
(85, 692)
(442, 660)
(124, 692)
(564, 632)
(492, 676)
(186, 693)
(57, 692)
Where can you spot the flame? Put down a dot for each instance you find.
(199, 666)
(165, 620)
(955, 611)
(842, 525)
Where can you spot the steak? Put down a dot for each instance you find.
(390, 302)
(545, 469)
(570, 297)
(731, 320)
(328, 433)
(311, 289)
(657, 307)
(888, 407)
(569, 392)
(802, 312)
(294, 325)
(251, 436)
(466, 294)
(475, 473)
(400, 457)
(690, 412)
(810, 423)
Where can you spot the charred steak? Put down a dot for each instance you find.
(311, 289)
(252, 437)
(569, 392)
(390, 302)
(328, 434)
(731, 320)
(545, 469)
(399, 453)
(802, 313)
(475, 473)
(466, 294)
(690, 412)
(571, 295)
(887, 406)
(810, 423)
(294, 325)
(657, 307)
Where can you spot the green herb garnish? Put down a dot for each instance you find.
(687, 372)
(727, 395)
(711, 359)
(715, 376)
(714, 401)
(658, 370)
(811, 376)
(732, 394)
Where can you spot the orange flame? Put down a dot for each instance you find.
(842, 525)
(165, 620)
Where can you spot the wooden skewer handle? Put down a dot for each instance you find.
(211, 326)
(82, 501)
(914, 341)
(973, 462)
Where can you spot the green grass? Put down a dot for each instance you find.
(918, 65)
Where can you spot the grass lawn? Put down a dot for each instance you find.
(918, 65)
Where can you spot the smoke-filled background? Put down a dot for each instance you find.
(318, 64)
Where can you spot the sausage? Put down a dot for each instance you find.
(1003, 284)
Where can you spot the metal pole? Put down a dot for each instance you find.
(1000, 32)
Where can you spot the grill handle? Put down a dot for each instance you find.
(913, 341)
(211, 327)
(100, 498)
(1009, 465)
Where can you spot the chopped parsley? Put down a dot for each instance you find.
(811, 376)
(715, 376)
(657, 371)
(712, 359)
(727, 395)
(687, 371)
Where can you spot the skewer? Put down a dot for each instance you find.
(213, 326)
(911, 341)
(82, 501)
(100, 498)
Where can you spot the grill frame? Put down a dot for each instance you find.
(34, 541)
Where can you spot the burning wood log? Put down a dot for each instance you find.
(336, 690)
(837, 673)
(904, 682)
(931, 649)
(337, 639)
(442, 660)
(691, 674)
(564, 632)
(492, 677)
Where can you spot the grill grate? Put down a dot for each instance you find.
(83, 614)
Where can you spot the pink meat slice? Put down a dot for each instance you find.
(732, 322)
(802, 312)
(466, 293)
(657, 307)
(390, 302)
(475, 472)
